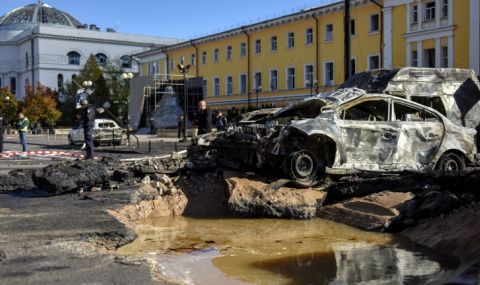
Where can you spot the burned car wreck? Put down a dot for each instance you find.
(346, 131)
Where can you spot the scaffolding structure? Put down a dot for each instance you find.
(184, 87)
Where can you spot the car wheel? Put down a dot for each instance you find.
(451, 162)
(70, 140)
(302, 167)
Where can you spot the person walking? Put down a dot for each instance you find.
(204, 118)
(180, 126)
(2, 131)
(22, 126)
(221, 122)
(88, 120)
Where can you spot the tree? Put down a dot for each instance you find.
(40, 105)
(107, 86)
(8, 108)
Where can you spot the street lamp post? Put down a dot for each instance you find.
(127, 77)
(7, 103)
(184, 70)
(257, 90)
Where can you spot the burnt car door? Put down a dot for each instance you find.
(369, 137)
(421, 133)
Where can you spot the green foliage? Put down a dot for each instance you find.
(40, 105)
(108, 86)
(8, 108)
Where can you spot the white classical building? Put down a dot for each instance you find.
(41, 44)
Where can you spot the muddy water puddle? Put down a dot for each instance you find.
(268, 251)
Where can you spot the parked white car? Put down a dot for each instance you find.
(105, 131)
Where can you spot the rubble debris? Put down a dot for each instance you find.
(154, 165)
(71, 176)
(253, 196)
(375, 212)
(17, 180)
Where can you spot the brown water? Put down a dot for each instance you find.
(269, 251)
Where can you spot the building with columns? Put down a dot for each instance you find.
(41, 44)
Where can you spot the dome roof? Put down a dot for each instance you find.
(35, 14)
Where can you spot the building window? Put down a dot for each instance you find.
(258, 46)
(329, 32)
(414, 58)
(291, 78)
(182, 60)
(308, 75)
(216, 87)
(13, 85)
(429, 11)
(73, 58)
(172, 65)
(445, 9)
(374, 25)
(126, 61)
(273, 43)
(415, 14)
(257, 77)
(273, 80)
(445, 56)
(353, 66)
(309, 36)
(229, 52)
(204, 57)
(101, 59)
(291, 40)
(229, 85)
(243, 50)
(429, 57)
(60, 81)
(26, 60)
(192, 59)
(205, 87)
(373, 62)
(215, 55)
(352, 27)
(328, 73)
(243, 84)
(0, 82)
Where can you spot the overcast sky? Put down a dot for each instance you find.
(180, 18)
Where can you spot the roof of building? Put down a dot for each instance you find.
(35, 14)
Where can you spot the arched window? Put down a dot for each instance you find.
(60, 81)
(126, 61)
(101, 59)
(73, 58)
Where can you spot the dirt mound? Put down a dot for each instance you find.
(71, 176)
(17, 180)
(254, 196)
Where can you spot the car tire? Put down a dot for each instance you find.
(302, 167)
(451, 162)
(70, 140)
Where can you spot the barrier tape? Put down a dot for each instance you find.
(52, 153)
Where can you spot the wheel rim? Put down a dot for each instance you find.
(302, 165)
(451, 165)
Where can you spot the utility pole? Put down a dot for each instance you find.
(346, 25)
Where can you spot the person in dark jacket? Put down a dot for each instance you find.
(204, 118)
(88, 121)
(2, 131)
(221, 122)
(180, 126)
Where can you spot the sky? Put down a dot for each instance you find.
(184, 19)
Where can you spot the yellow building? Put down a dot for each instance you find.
(288, 58)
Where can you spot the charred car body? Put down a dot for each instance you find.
(350, 130)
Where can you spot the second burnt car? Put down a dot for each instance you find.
(343, 131)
